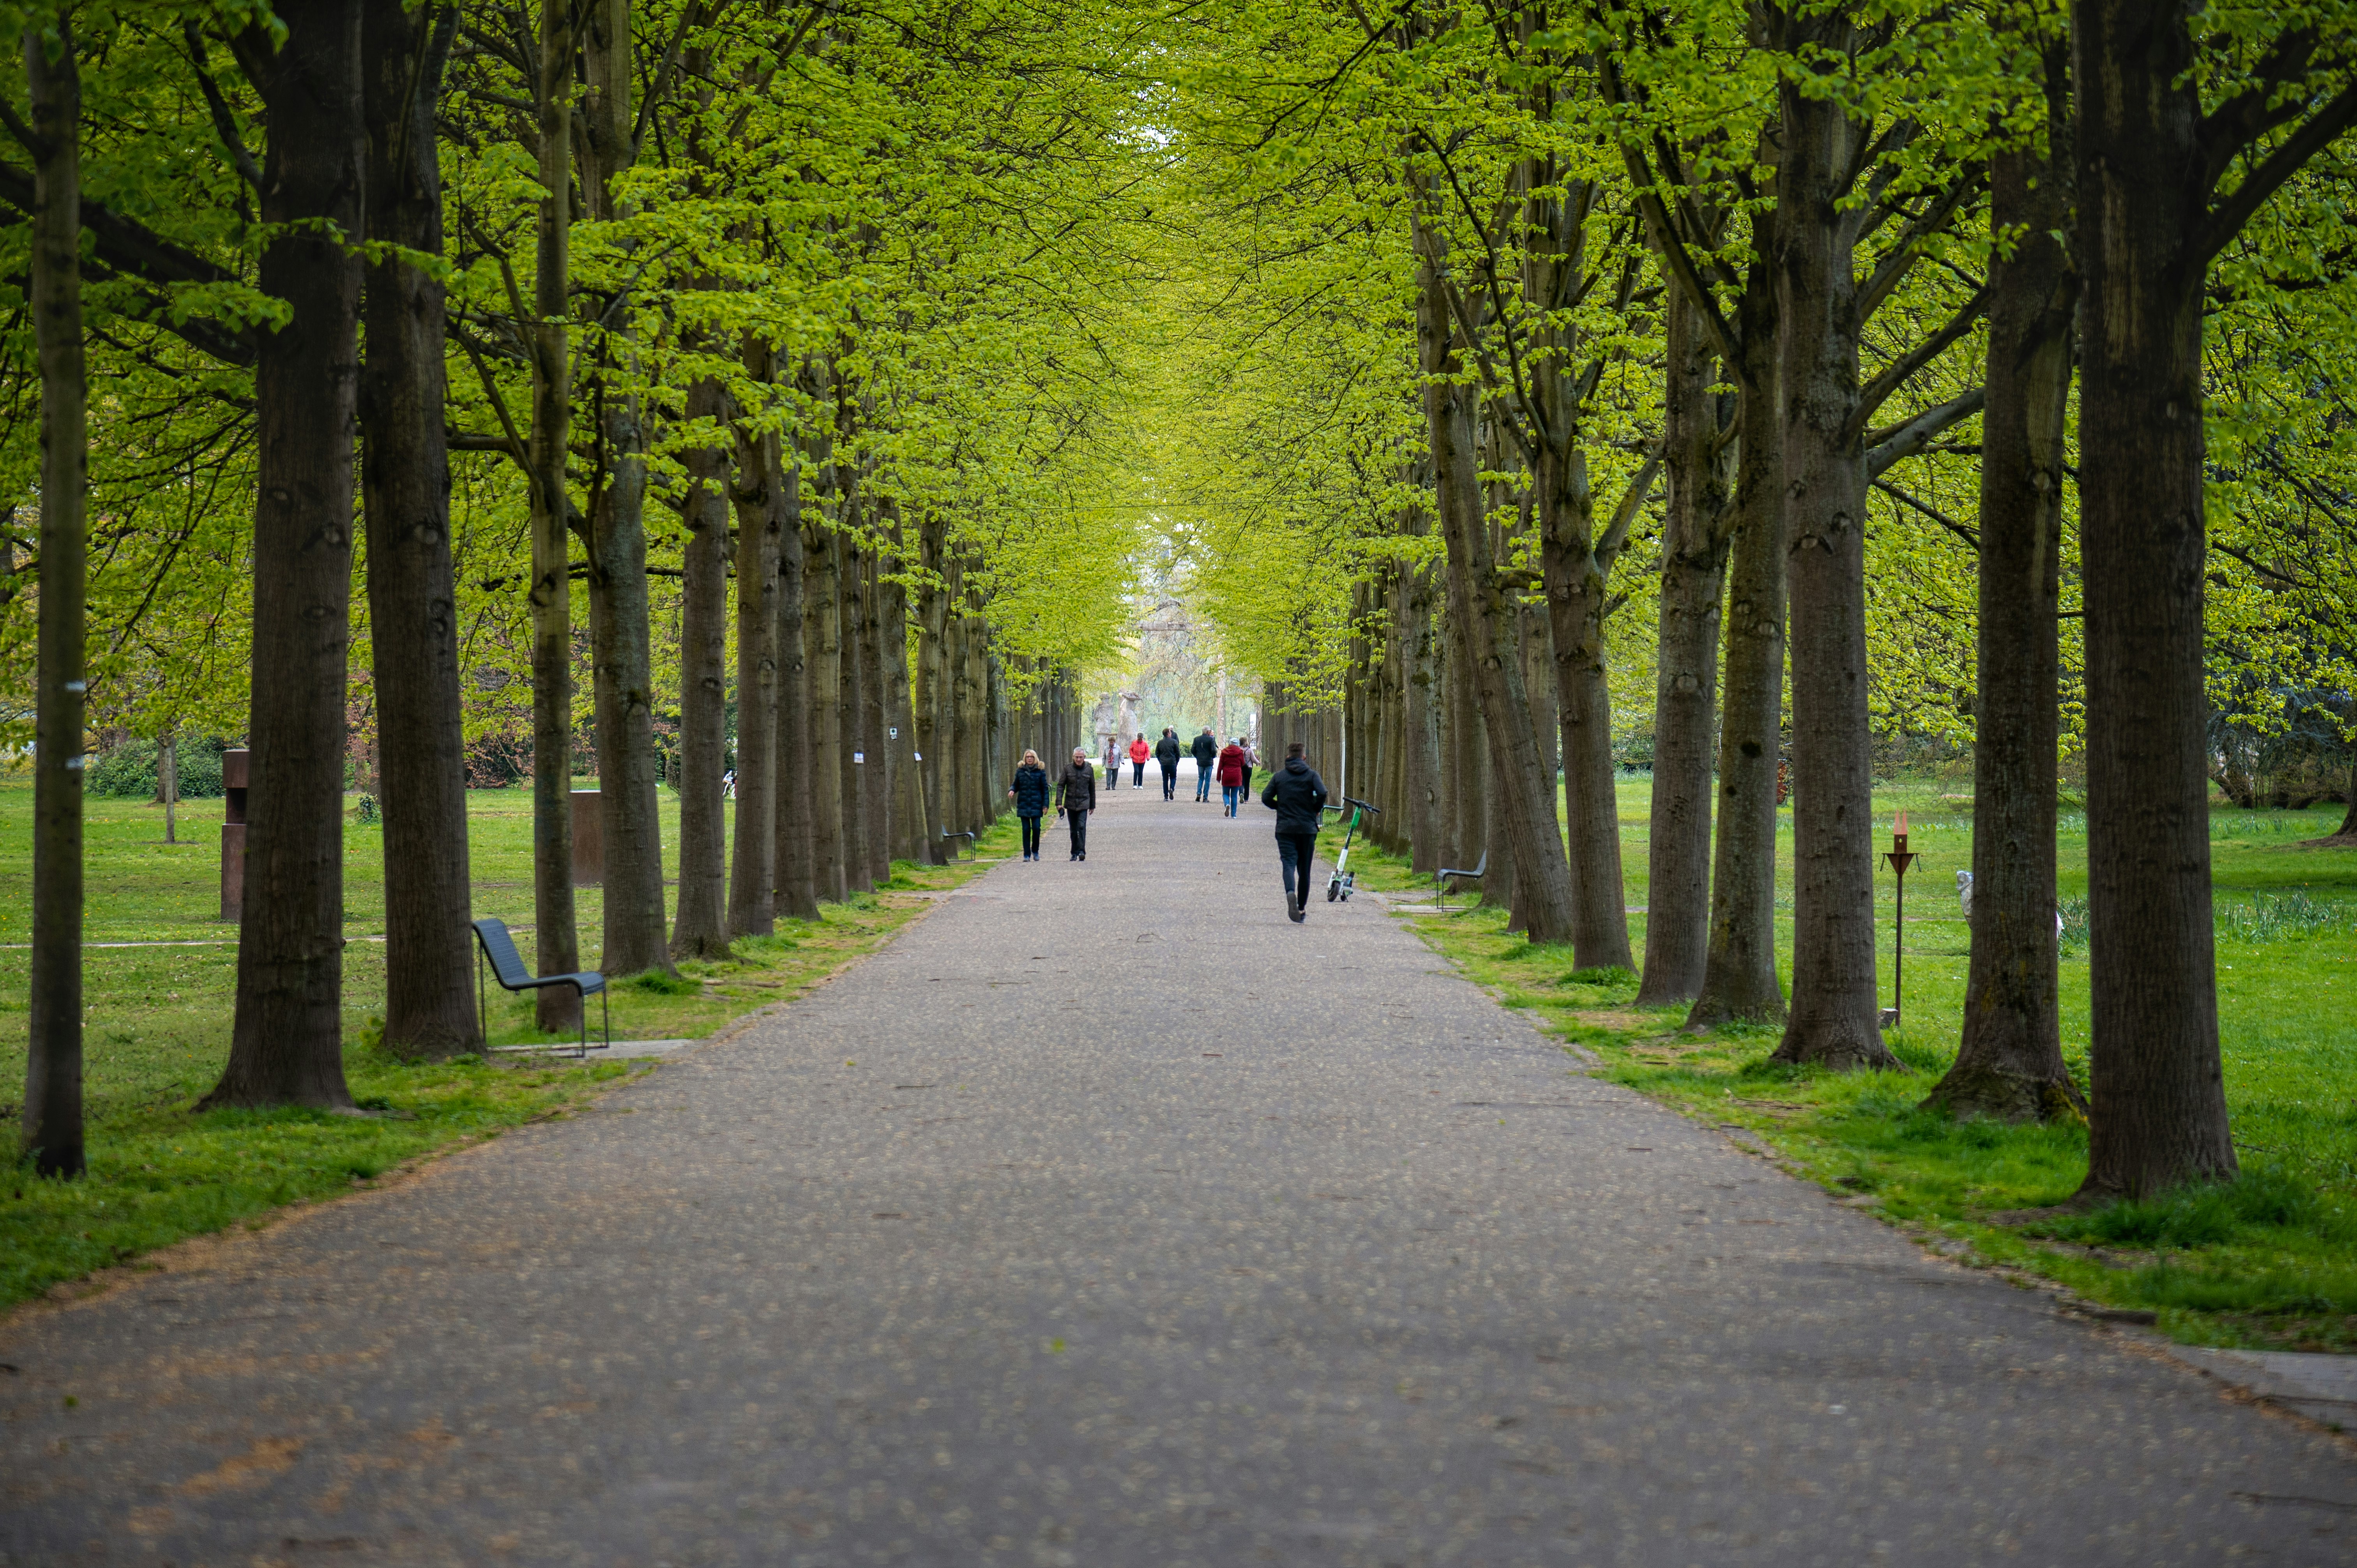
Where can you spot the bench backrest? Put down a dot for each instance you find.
(501, 948)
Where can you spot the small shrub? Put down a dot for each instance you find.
(365, 810)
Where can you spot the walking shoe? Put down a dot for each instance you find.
(1297, 913)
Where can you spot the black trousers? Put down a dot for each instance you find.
(1030, 832)
(1080, 821)
(1294, 850)
(1169, 779)
(1140, 779)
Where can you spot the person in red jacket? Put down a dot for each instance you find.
(1232, 773)
(1138, 752)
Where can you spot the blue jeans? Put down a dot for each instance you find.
(1231, 793)
(1203, 782)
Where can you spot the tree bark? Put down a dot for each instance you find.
(2159, 1103)
(753, 878)
(1486, 640)
(796, 860)
(1420, 762)
(1685, 682)
(932, 738)
(429, 1006)
(823, 769)
(287, 1043)
(1833, 1020)
(700, 923)
(556, 933)
(875, 704)
(624, 663)
(52, 1115)
(851, 708)
(1738, 979)
(2009, 1065)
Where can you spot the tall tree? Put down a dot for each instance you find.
(429, 1009)
(701, 930)
(556, 932)
(2155, 207)
(2010, 1062)
(286, 1044)
(53, 1123)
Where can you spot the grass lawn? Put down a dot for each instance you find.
(2271, 1261)
(157, 1026)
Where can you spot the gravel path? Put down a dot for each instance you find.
(1108, 1219)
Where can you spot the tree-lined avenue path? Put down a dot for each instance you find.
(1106, 1218)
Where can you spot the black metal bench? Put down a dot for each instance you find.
(494, 944)
(1440, 878)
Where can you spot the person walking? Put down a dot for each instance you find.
(1232, 774)
(1029, 793)
(1252, 760)
(1138, 752)
(1207, 754)
(1167, 752)
(1076, 796)
(1297, 796)
(1113, 762)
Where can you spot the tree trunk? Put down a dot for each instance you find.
(908, 829)
(1420, 764)
(52, 1116)
(2160, 1101)
(624, 666)
(286, 1044)
(1577, 569)
(823, 771)
(753, 877)
(850, 707)
(168, 782)
(429, 1005)
(556, 936)
(1686, 681)
(1739, 980)
(624, 670)
(875, 704)
(2009, 1065)
(1833, 1020)
(796, 858)
(931, 736)
(700, 923)
(1526, 800)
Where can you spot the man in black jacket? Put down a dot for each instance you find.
(1167, 751)
(1296, 795)
(1076, 796)
(1206, 752)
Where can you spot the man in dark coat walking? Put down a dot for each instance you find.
(1206, 752)
(1076, 796)
(1167, 751)
(1297, 796)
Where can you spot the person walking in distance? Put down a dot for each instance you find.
(1076, 796)
(1138, 752)
(1207, 755)
(1113, 762)
(1029, 793)
(1296, 795)
(1232, 774)
(1252, 760)
(1167, 752)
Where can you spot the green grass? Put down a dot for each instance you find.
(158, 1025)
(2270, 1261)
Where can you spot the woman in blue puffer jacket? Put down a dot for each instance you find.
(1029, 793)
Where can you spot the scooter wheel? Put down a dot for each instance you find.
(1333, 891)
